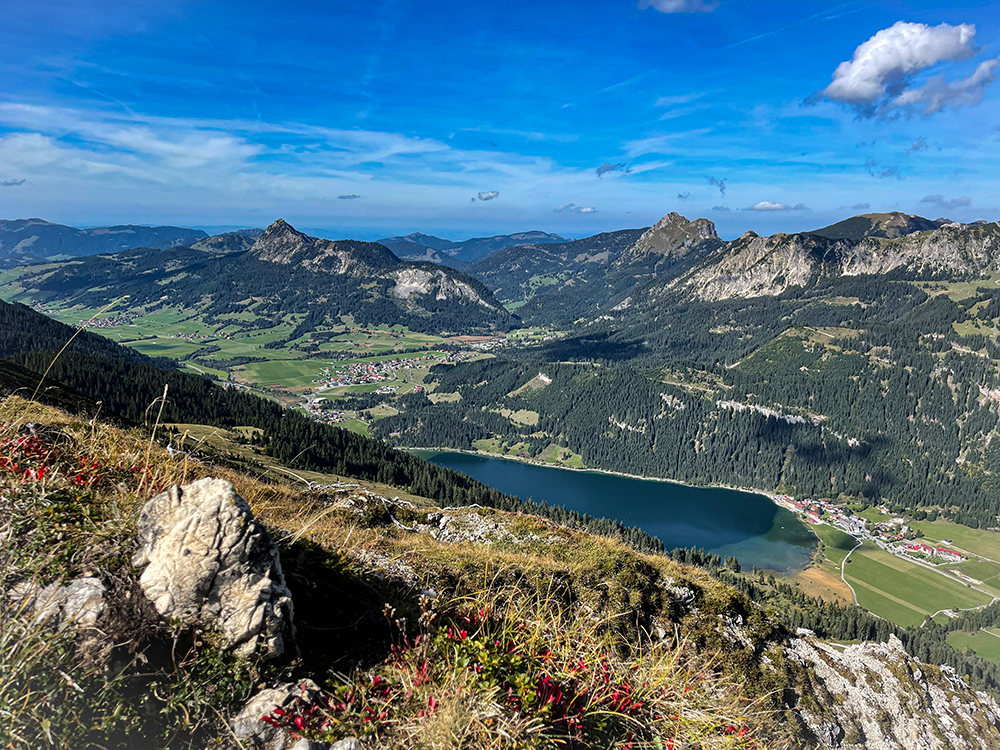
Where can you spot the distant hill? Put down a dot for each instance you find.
(416, 246)
(24, 241)
(888, 225)
(229, 242)
(283, 272)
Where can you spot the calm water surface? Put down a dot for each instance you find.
(743, 525)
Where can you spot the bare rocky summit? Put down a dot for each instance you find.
(755, 266)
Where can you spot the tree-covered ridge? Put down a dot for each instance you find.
(883, 415)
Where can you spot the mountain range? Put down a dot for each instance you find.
(24, 241)
(426, 247)
(283, 271)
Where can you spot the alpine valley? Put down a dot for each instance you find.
(849, 373)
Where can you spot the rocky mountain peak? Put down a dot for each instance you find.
(282, 243)
(672, 238)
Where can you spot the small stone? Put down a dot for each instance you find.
(310, 745)
(349, 743)
(250, 729)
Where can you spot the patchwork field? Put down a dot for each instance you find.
(904, 592)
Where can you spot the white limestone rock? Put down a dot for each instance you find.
(80, 602)
(253, 732)
(208, 559)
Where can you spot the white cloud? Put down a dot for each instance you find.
(938, 94)
(488, 195)
(772, 206)
(879, 78)
(576, 209)
(680, 6)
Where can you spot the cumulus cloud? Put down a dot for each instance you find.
(720, 208)
(605, 168)
(12, 183)
(572, 207)
(683, 196)
(947, 204)
(680, 6)
(918, 145)
(772, 206)
(721, 184)
(349, 197)
(878, 80)
(488, 195)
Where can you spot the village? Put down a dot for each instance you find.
(893, 535)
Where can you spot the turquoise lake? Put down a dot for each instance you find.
(743, 525)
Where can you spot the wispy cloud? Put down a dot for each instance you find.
(605, 168)
(721, 208)
(872, 166)
(680, 6)
(918, 145)
(878, 80)
(12, 183)
(721, 184)
(683, 196)
(573, 208)
(947, 204)
(349, 197)
(488, 195)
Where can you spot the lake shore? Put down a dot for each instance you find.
(779, 500)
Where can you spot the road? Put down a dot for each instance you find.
(843, 562)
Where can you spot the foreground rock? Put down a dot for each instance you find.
(80, 601)
(253, 732)
(208, 559)
(874, 696)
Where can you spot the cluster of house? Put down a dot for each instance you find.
(814, 510)
(893, 532)
(497, 342)
(949, 555)
(361, 373)
(314, 408)
(113, 322)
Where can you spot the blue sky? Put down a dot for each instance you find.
(460, 119)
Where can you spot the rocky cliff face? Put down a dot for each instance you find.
(753, 266)
(281, 243)
(874, 696)
(672, 238)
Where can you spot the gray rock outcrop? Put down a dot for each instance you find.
(874, 696)
(208, 559)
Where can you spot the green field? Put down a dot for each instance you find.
(836, 543)
(903, 592)
(986, 643)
